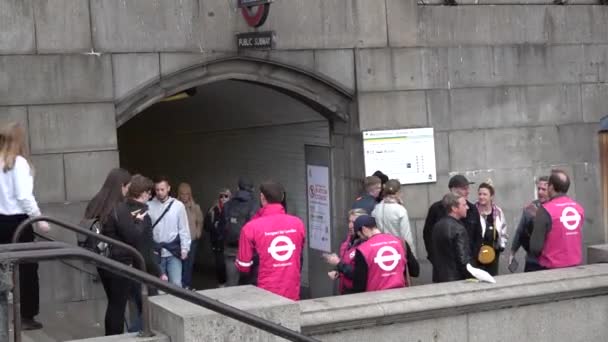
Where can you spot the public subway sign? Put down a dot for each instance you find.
(255, 40)
(255, 12)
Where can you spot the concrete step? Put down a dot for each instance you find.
(127, 338)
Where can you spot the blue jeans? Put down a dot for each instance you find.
(188, 265)
(172, 267)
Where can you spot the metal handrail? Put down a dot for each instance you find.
(26, 254)
(139, 261)
(46, 238)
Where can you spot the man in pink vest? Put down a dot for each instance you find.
(382, 260)
(278, 240)
(557, 235)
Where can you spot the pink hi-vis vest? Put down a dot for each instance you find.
(347, 256)
(563, 245)
(385, 258)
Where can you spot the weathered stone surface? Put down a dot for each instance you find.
(171, 62)
(392, 110)
(16, 27)
(184, 321)
(586, 180)
(504, 106)
(69, 128)
(83, 182)
(480, 25)
(416, 200)
(468, 150)
(402, 17)
(579, 143)
(55, 79)
(521, 147)
(338, 65)
(127, 338)
(297, 58)
(595, 102)
(62, 26)
(552, 317)
(442, 152)
(340, 24)
(134, 71)
(145, 25)
(402, 69)
(49, 186)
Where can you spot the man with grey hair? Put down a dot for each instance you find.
(523, 233)
(450, 241)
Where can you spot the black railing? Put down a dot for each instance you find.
(38, 251)
(43, 237)
(139, 261)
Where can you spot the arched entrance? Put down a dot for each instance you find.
(249, 117)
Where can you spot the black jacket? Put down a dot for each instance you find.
(472, 223)
(122, 226)
(450, 242)
(212, 224)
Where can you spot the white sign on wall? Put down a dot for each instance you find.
(319, 213)
(404, 154)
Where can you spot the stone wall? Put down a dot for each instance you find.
(511, 91)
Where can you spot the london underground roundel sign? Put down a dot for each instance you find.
(255, 12)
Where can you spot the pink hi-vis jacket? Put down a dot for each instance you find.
(563, 245)
(347, 256)
(278, 239)
(386, 261)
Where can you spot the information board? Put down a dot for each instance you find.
(404, 154)
(319, 211)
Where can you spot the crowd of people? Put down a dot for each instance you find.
(255, 241)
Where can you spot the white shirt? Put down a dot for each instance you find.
(392, 219)
(174, 222)
(17, 190)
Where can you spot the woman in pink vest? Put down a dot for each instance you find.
(345, 262)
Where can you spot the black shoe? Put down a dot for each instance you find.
(30, 324)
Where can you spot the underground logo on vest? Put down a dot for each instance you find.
(281, 249)
(571, 219)
(387, 258)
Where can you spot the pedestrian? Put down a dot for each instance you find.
(523, 233)
(103, 206)
(17, 204)
(216, 235)
(391, 216)
(171, 231)
(458, 185)
(493, 229)
(367, 201)
(138, 195)
(383, 180)
(450, 241)
(241, 208)
(557, 237)
(278, 240)
(345, 262)
(195, 222)
(382, 261)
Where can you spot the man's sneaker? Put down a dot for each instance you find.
(30, 324)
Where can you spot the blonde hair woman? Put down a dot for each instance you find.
(17, 204)
(195, 222)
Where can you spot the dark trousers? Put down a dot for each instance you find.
(28, 273)
(188, 265)
(533, 267)
(220, 262)
(118, 290)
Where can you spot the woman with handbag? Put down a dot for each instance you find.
(493, 229)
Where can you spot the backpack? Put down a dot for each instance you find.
(238, 213)
(88, 242)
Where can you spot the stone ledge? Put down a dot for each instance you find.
(327, 315)
(158, 337)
